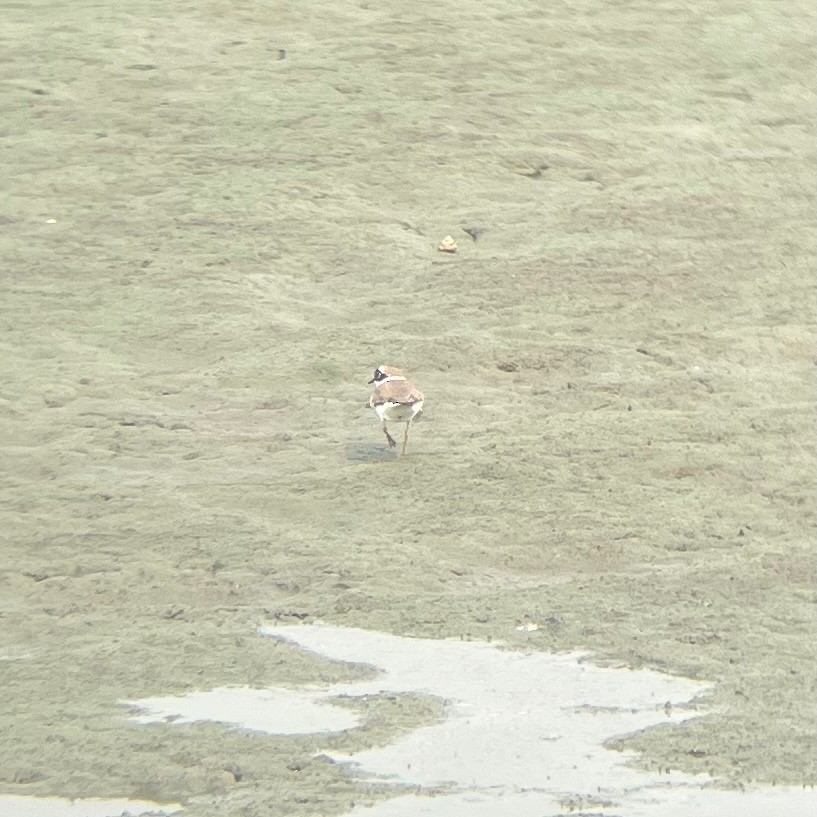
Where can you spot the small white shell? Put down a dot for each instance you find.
(527, 627)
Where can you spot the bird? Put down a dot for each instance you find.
(395, 400)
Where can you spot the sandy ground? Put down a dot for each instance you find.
(217, 218)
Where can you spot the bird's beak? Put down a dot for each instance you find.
(371, 381)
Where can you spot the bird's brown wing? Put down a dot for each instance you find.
(395, 391)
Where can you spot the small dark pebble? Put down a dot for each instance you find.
(475, 232)
(235, 771)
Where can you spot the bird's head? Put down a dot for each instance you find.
(382, 373)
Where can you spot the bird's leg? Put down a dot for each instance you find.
(389, 437)
(405, 436)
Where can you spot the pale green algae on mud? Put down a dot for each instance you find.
(207, 248)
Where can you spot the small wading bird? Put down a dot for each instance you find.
(395, 400)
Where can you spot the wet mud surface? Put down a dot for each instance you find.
(217, 219)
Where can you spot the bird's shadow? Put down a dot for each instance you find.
(370, 452)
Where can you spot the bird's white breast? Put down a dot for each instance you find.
(398, 412)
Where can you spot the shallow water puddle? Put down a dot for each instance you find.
(18, 806)
(523, 735)
(278, 711)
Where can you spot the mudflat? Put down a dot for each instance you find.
(215, 221)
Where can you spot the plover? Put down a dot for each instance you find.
(395, 400)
